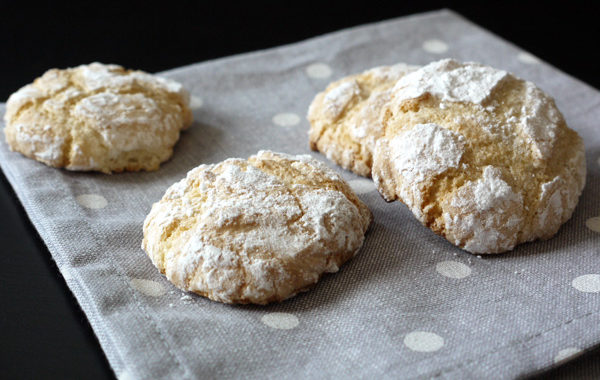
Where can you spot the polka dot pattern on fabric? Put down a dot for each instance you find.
(362, 186)
(435, 46)
(423, 341)
(148, 287)
(588, 283)
(453, 269)
(286, 119)
(319, 70)
(593, 224)
(566, 353)
(196, 102)
(91, 201)
(527, 58)
(281, 321)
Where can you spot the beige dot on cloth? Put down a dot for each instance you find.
(362, 186)
(286, 119)
(319, 70)
(423, 341)
(196, 102)
(282, 321)
(527, 58)
(148, 287)
(435, 46)
(92, 201)
(566, 353)
(593, 224)
(588, 283)
(453, 269)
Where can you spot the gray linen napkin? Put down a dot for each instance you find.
(409, 305)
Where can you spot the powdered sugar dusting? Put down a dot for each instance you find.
(298, 160)
(218, 265)
(338, 98)
(94, 105)
(485, 215)
(551, 201)
(328, 212)
(539, 121)
(168, 84)
(251, 199)
(25, 95)
(60, 102)
(97, 76)
(489, 190)
(450, 80)
(53, 81)
(426, 150)
(53, 149)
(557, 201)
(368, 126)
(44, 146)
(115, 117)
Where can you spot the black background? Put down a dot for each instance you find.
(43, 333)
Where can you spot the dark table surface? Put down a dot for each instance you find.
(44, 332)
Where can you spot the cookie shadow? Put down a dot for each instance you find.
(199, 144)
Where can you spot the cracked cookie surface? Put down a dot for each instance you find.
(97, 117)
(344, 119)
(481, 157)
(255, 231)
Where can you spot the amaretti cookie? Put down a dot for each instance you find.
(481, 157)
(257, 230)
(97, 117)
(344, 118)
